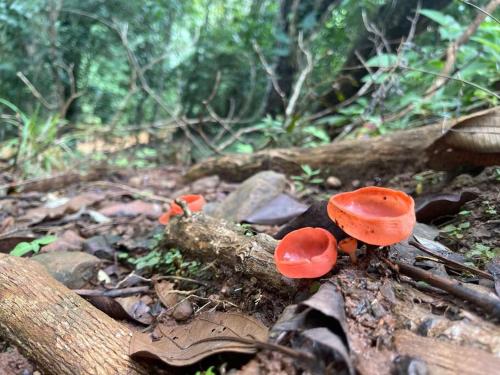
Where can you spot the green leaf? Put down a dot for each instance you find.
(307, 169)
(438, 17)
(384, 60)
(45, 240)
(22, 249)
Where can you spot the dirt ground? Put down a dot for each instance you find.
(379, 306)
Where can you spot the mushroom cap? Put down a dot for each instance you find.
(374, 215)
(306, 253)
(195, 203)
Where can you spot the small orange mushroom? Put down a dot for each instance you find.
(306, 253)
(194, 202)
(374, 215)
(349, 245)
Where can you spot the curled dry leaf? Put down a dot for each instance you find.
(318, 325)
(472, 140)
(208, 334)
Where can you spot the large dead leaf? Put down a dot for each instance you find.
(208, 334)
(136, 308)
(430, 207)
(473, 140)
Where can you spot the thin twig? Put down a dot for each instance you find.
(112, 292)
(490, 305)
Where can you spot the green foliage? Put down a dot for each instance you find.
(37, 144)
(308, 177)
(481, 254)
(208, 371)
(24, 248)
(149, 65)
(168, 262)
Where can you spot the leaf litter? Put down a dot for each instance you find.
(375, 306)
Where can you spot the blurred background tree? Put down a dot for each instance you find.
(206, 77)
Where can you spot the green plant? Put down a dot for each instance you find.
(37, 146)
(481, 254)
(23, 248)
(489, 208)
(169, 262)
(308, 177)
(208, 371)
(455, 231)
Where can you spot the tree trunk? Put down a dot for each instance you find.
(61, 332)
(364, 159)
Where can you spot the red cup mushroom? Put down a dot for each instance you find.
(374, 215)
(194, 202)
(306, 253)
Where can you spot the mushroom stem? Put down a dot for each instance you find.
(349, 245)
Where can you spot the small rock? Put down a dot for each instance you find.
(355, 183)
(333, 182)
(72, 268)
(183, 311)
(252, 194)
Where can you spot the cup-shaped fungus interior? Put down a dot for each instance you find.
(306, 253)
(375, 215)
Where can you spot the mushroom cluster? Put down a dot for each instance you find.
(373, 215)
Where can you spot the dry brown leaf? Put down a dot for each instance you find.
(165, 292)
(133, 208)
(68, 241)
(136, 308)
(208, 334)
(473, 140)
(73, 205)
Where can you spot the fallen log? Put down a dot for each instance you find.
(209, 239)
(60, 331)
(402, 151)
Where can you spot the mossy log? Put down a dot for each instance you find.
(209, 239)
(55, 328)
(402, 151)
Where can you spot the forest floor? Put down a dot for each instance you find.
(116, 220)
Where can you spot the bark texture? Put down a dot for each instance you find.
(61, 332)
(402, 151)
(210, 239)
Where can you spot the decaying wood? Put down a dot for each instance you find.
(210, 239)
(445, 358)
(55, 182)
(61, 332)
(402, 151)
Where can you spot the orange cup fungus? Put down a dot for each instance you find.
(194, 202)
(306, 253)
(374, 215)
(349, 245)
